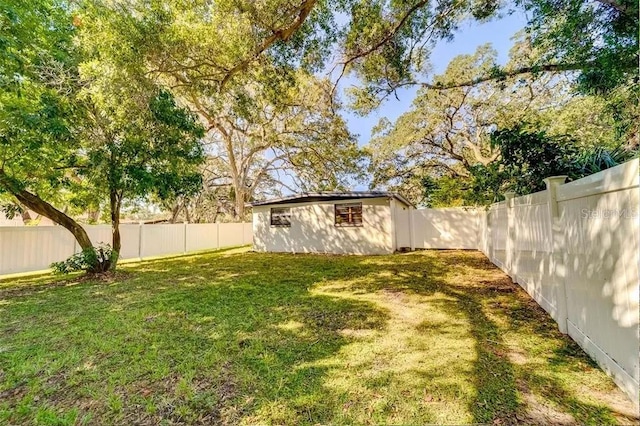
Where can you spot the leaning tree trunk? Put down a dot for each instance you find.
(45, 209)
(116, 242)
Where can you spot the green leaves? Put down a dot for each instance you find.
(606, 49)
(528, 157)
(38, 113)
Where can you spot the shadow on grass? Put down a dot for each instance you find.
(222, 338)
(505, 390)
(188, 340)
(496, 395)
(493, 307)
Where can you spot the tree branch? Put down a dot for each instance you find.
(507, 74)
(281, 34)
(614, 4)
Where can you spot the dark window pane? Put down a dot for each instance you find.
(348, 214)
(281, 216)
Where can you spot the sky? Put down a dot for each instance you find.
(498, 32)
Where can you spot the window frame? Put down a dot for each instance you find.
(283, 212)
(352, 223)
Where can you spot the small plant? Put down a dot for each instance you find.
(93, 260)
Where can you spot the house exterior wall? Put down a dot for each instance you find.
(313, 230)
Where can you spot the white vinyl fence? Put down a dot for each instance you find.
(573, 248)
(34, 248)
(444, 228)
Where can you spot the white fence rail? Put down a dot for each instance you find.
(34, 248)
(573, 248)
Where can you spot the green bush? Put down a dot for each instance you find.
(94, 260)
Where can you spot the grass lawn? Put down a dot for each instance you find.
(235, 337)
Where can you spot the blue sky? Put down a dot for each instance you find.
(498, 32)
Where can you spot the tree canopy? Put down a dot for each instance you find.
(597, 40)
(449, 134)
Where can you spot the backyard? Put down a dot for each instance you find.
(236, 337)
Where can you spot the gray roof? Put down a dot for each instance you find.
(306, 197)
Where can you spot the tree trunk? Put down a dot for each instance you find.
(239, 206)
(43, 208)
(186, 213)
(116, 243)
(26, 216)
(175, 211)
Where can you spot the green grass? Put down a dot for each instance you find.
(235, 337)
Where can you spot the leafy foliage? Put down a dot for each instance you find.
(93, 259)
(447, 133)
(38, 114)
(112, 102)
(527, 158)
(81, 121)
(387, 45)
(445, 191)
(271, 125)
(606, 51)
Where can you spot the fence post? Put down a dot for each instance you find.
(185, 238)
(510, 243)
(490, 234)
(217, 235)
(557, 265)
(412, 229)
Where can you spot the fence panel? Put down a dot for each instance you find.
(159, 240)
(446, 228)
(202, 236)
(27, 248)
(34, 248)
(247, 233)
(130, 238)
(498, 237)
(599, 217)
(232, 234)
(575, 248)
(483, 231)
(99, 234)
(531, 261)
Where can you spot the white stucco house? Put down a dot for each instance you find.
(329, 222)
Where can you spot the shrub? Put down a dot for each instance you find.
(93, 260)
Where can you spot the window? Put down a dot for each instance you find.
(281, 216)
(349, 214)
